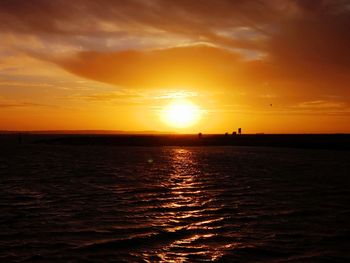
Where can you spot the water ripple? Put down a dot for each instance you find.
(62, 203)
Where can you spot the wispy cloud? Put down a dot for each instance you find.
(286, 33)
(103, 97)
(22, 105)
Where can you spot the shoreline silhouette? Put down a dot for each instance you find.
(312, 141)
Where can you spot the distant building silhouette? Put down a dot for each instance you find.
(226, 134)
(239, 130)
(199, 135)
(234, 133)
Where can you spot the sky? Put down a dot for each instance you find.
(266, 66)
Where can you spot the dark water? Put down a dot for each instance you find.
(244, 204)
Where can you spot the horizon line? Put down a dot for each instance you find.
(150, 132)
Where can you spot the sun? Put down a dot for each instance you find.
(181, 114)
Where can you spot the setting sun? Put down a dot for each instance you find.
(181, 114)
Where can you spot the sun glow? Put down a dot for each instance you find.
(181, 114)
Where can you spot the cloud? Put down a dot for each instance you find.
(123, 24)
(4, 105)
(299, 47)
(190, 66)
(321, 107)
(266, 22)
(105, 97)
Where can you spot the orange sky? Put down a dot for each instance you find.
(115, 65)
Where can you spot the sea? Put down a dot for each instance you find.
(173, 204)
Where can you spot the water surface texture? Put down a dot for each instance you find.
(242, 204)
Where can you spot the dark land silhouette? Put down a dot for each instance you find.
(312, 141)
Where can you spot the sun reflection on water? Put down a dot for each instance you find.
(190, 215)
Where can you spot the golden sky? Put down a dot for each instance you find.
(267, 65)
